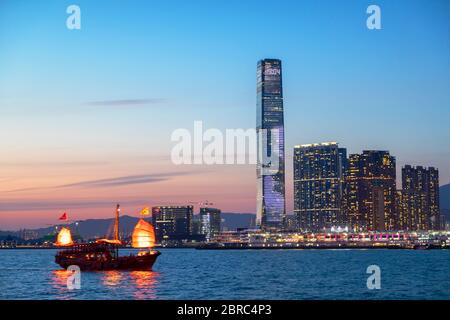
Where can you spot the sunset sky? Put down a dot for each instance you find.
(86, 115)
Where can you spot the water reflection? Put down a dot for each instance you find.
(112, 278)
(59, 278)
(145, 284)
(129, 284)
(59, 283)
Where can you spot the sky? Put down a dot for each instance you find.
(86, 116)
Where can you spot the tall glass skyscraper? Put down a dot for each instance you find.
(271, 207)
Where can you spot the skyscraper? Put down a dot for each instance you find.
(318, 185)
(435, 209)
(420, 198)
(371, 191)
(271, 207)
(172, 222)
(210, 221)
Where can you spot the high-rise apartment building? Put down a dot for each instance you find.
(371, 191)
(318, 185)
(419, 199)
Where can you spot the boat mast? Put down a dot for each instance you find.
(116, 224)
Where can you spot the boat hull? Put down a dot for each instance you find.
(132, 262)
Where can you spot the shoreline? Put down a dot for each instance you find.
(320, 248)
(246, 247)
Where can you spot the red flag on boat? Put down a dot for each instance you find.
(63, 217)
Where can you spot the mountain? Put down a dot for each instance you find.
(95, 228)
(446, 213)
(99, 228)
(232, 221)
(88, 229)
(444, 193)
(444, 197)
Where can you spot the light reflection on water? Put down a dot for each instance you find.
(142, 284)
(59, 278)
(146, 282)
(112, 278)
(244, 274)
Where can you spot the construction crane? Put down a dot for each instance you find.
(205, 203)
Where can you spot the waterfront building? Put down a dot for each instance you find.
(400, 206)
(271, 207)
(196, 224)
(173, 222)
(344, 160)
(339, 239)
(371, 191)
(420, 198)
(318, 185)
(291, 223)
(26, 234)
(210, 222)
(444, 224)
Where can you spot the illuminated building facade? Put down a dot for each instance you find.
(344, 160)
(371, 191)
(172, 222)
(318, 186)
(420, 198)
(210, 222)
(271, 207)
(403, 219)
(291, 223)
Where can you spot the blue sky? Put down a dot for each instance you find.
(196, 60)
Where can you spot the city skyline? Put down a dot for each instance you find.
(80, 140)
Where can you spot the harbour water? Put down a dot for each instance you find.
(237, 274)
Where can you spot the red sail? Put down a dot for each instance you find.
(143, 235)
(64, 238)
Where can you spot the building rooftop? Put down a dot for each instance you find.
(321, 144)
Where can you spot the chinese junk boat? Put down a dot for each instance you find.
(104, 253)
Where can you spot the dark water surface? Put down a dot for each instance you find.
(246, 274)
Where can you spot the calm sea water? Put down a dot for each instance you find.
(261, 274)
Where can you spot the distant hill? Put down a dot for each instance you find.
(444, 193)
(88, 229)
(232, 221)
(444, 197)
(99, 228)
(446, 213)
(8, 237)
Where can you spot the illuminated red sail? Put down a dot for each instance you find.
(143, 235)
(64, 238)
